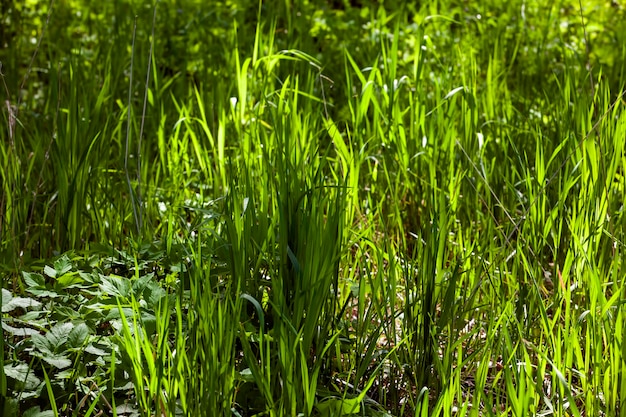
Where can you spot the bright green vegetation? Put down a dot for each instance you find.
(313, 209)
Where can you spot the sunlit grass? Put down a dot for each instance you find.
(377, 211)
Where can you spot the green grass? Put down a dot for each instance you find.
(312, 208)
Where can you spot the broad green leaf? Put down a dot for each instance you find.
(67, 313)
(339, 407)
(22, 374)
(50, 271)
(115, 313)
(78, 335)
(140, 284)
(69, 280)
(41, 343)
(33, 316)
(95, 350)
(36, 285)
(246, 375)
(148, 322)
(62, 265)
(59, 334)
(33, 280)
(6, 298)
(154, 294)
(36, 412)
(16, 302)
(19, 331)
(77, 369)
(44, 293)
(115, 286)
(56, 360)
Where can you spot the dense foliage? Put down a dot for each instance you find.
(313, 208)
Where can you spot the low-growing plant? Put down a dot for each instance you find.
(312, 208)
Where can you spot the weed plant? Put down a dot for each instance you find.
(304, 208)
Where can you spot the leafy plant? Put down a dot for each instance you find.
(312, 208)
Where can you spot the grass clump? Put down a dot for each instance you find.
(312, 208)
